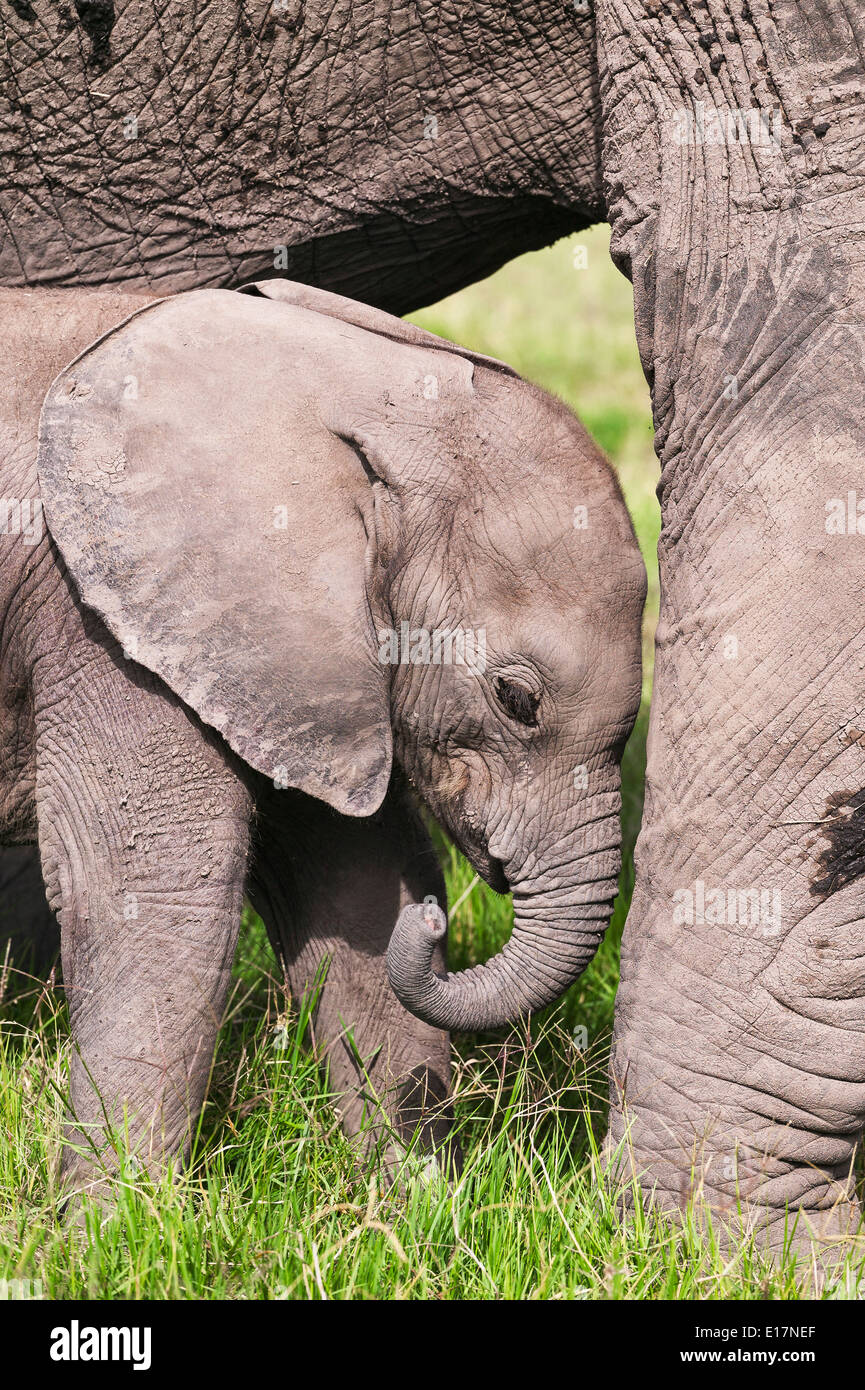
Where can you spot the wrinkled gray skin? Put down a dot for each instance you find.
(738, 1062)
(246, 493)
(738, 1065)
(396, 156)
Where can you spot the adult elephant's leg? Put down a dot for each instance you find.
(144, 833)
(739, 1052)
(28, 927)
(330, 889)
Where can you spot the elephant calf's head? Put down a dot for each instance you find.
(335, 536)
(516, 592)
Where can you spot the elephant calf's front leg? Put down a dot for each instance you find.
(143, 829)
(330, 889)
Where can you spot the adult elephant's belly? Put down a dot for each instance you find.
(346, 145)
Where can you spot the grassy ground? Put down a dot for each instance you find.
(273, 1204)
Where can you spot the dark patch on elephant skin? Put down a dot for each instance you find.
(24, 10)
(843, 860)
(97, 20)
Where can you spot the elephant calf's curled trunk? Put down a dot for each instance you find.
(532, 970)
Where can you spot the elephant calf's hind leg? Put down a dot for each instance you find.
(28, 928)
(330, 889)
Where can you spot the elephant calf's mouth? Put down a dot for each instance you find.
(491, 871)
(485, 865)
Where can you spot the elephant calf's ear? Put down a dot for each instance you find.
(365, 316)
(216, 525)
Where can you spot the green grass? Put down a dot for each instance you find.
(274, 1203)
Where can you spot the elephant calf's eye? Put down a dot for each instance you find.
(517, 701)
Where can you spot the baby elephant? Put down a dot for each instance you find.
(302, 567)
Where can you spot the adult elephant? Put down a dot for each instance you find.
(397, 156)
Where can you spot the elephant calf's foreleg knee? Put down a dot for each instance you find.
(144, 834)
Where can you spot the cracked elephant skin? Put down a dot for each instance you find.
(738, 1068)
(202, 695)
(394, 157)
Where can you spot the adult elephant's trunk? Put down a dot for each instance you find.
(560, 914)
